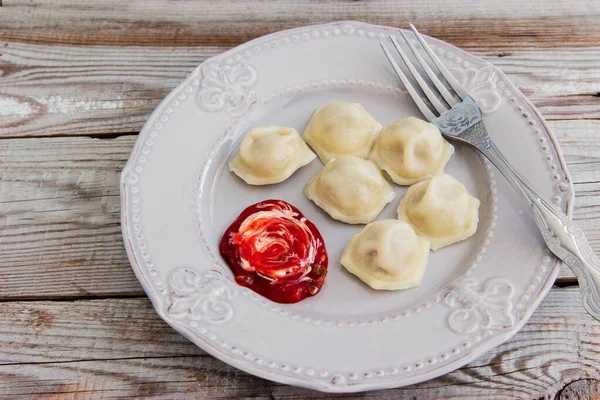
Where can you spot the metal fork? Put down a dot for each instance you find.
(459, 118)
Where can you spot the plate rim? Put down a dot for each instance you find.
(306, 382)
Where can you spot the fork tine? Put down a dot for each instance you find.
(436, 81)
(437, 104)
(447, 74)
(409, 87)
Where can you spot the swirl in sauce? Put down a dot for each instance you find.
(275, 251)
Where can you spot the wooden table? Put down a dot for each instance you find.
(77, 81)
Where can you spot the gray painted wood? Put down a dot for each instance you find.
(120, 348)
(74, 322)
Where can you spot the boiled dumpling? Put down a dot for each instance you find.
(350, 189)
(387, 255)
(440, 210)
(341, 129)
(411, 150)
(270, 154)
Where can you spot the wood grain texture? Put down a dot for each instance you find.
(582, 389)
(59, 211)
(64, 331)
(85, 349)
(99, 68)
(102, 90)
(109, 90)
(59, 218)
(495, 23)
(561, 83)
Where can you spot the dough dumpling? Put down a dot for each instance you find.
(387, 255)
(440, 210)
(341, 129)
(411, 150)
(270, 154)
(350, 189)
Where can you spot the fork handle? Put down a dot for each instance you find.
(562, 236)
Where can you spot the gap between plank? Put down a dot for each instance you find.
(116, 135)
(108, 135)
(100, 359)
(564, 283)
(73, 135)
(30, 299)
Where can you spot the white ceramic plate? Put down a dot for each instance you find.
(178, 197)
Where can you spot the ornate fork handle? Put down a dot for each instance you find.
(562, 236)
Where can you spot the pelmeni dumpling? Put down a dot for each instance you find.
(440, 210)
(270, 154)
(387, 255)
(341, 129)
(350, 189)
(411, 150)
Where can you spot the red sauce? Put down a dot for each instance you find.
(275, 251)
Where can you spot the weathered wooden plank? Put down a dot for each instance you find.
(119, 347)
(204, 22)
(87, 90)
(67, 90)
(59, 211)
(561, 83)
(59, 218)
(581, 147)
(60, 331)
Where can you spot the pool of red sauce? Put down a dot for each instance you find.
(275, 251)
